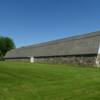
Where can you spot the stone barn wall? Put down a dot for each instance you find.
(18, 59)
(78, 59)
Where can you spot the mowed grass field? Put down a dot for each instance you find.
(25, 81)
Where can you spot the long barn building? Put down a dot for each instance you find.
(83, 49)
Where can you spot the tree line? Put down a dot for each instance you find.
(6, 44)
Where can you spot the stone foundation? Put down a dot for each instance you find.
(18, 59)
(90, 60)
(81, 60)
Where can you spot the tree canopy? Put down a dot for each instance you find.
(6, 44)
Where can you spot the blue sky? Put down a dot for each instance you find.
(34, 21)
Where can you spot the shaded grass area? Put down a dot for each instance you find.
(25, 81)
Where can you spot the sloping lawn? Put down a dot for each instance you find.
(25, 81)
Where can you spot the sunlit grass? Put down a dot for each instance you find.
(25, 81)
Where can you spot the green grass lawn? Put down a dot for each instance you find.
(25, 81)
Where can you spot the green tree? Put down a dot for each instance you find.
(1, 56)
(6, 44)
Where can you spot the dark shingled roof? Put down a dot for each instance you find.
(76, 45)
